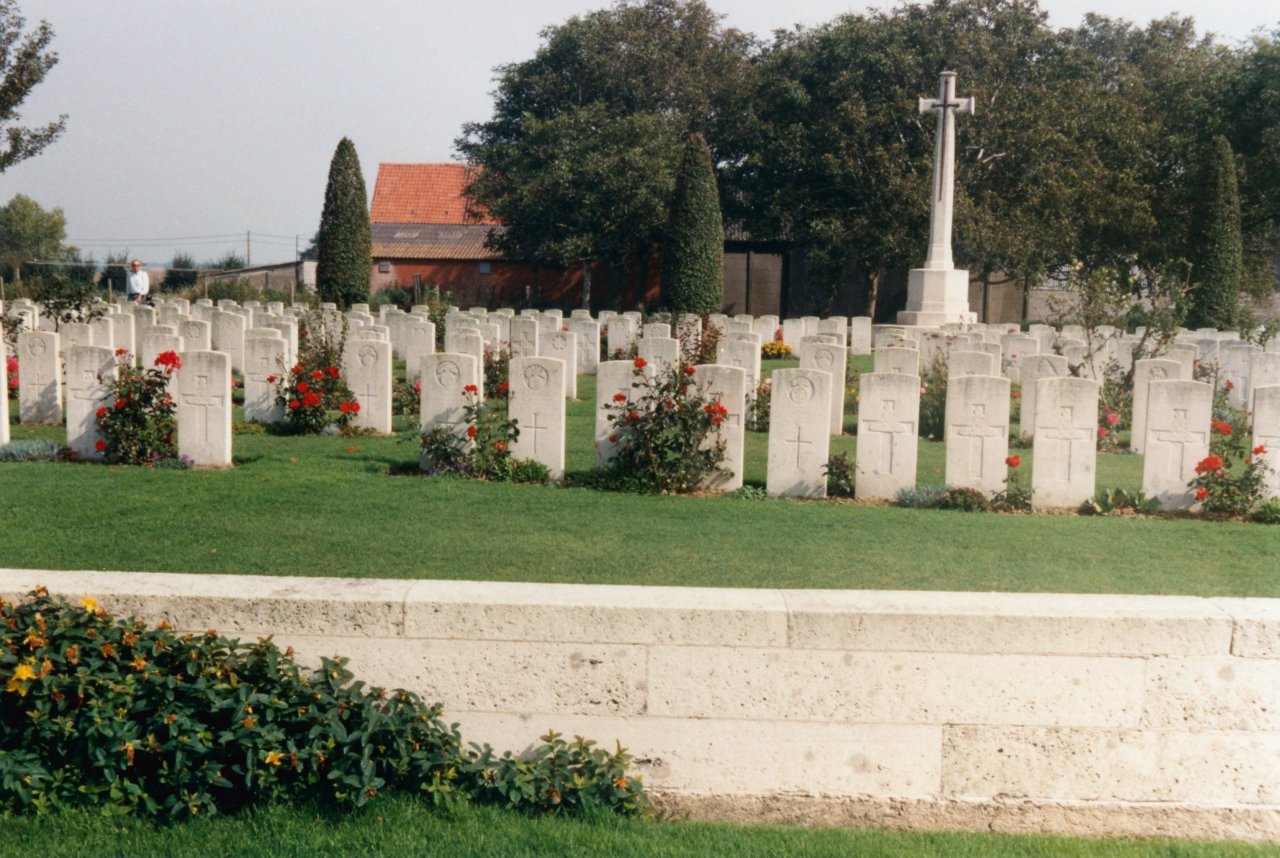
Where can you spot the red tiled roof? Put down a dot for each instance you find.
(423, 194)
(431, 241)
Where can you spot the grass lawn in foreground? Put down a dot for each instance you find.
(327, 506)
(396, 826)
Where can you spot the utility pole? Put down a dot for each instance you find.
(248, 251)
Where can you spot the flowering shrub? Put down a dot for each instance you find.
(11, 376)
(483, 450)
(121, 717)
(496, 364)
(775, 350)
(758, 409)
(309, 392)
(839, 470)
(933, 398)
(1115, 405)
(666, 435)
(1220, 493)
(1014, 497)
(138, 426)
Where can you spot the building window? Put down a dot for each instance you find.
(384, 266)
(486, 268)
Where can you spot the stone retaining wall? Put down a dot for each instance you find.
(1137, 715)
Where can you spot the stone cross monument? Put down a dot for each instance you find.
(938, 293)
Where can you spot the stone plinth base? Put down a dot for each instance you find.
(936, 297)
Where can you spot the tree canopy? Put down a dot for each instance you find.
(24, 61)
(29, 232)
(345, 244)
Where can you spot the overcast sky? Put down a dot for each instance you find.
(194, 122)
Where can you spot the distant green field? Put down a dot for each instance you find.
(327, 506)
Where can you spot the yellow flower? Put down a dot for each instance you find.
(23, 673)
(273, 758)
(89, 603)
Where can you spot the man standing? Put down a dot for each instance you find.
(139, 284)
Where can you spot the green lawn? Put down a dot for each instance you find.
(327, 506)
(399, 826)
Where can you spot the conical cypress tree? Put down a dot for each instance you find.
(345, 257)
(693, 257)
(1218, 264)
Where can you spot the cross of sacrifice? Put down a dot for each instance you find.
(979, 430)
(203, 400)
(1181, 436)
(889, 425)
(1066, 431)
(946, 105)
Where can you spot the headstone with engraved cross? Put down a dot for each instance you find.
(368, 370)
(831, 358)
(613, 378)
(1266, 434)
(444, 378)
(537, 387)
(90, 370)
(587, 332)
(524, 337)
(888, 420)
(1066, 448)
(1146, 371)
(265, 358)
(228, 335)
(977, 423)
(563, 346)
(938, 293)
(726, 385)
(799, 438)
(1178, 415)
(204, 408)
(1034, 368)
(39, 378)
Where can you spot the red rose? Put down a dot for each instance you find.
(1230, 385)
(613, 439)
(619, 397)
(688, 370)
(332, 371)
(1102, 432)
(471, 431)
(634, 415)
(169, 360)
(1201, 493)
(121, 403)
(101, 411)
(100, 445)
(471, 388)
(1222, 427)
(499, 446)
(355, 407)
(303, 387)
(271, 379)
(121, 352)
(1014, 461)
(1015, 393)
(1260, 449)
(1112, 418)
(641, 363)
(311, 399)
(297, 369)
(316, 375)
(417, 387)
(294, 404)
(1210, 463)
(503, 388)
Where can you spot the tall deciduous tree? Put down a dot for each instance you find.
(693, 254)
(345, 246)
(579, 158)
(24, 61)
(28, 232)
(1217, 264)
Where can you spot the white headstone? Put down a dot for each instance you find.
(196, 335)
(621, 337)
(1066, 449)
(888, 421)
(587, 333)
(661, 353)
(524, 337)
(744, 355)
(444, 400)
(228, 336)
(1266, 434)
(830, 358)
(1144, 372)
(903, 361)
(613, 377)
(155, 340)
(39, 378)
(962, 362)
(204, 408)
(563, 347)
(419, 341)
(537, 405)
(368, 370)
(89, 371)
(726, 385)
(792, 333)
(799, 438)
(860, 335)
(466, 342)
(657, 329)
(122, 331)
(264, 358)
(977, 432)
(1178, 415)
(1034, 368)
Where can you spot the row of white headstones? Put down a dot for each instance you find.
(1171, 416)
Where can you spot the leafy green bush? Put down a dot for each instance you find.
(115, 715)
(921, 497)
(933, 398)
(483, 450)
(965, 500)
(1268, 512)
(33, 451)
(839, 471)
(758, 409)
(1118, 501)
